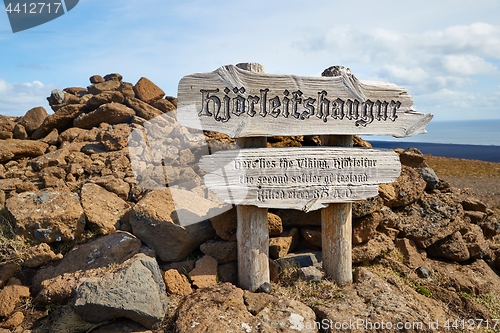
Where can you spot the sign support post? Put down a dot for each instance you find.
(252, 232)
(336, 228)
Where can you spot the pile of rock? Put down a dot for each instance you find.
(112, 164)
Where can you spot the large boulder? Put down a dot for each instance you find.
(134, 290)
(226, 308)
(61, 120)
(33, 119)
(372, 302)
(147, 91)
(104, 210)
(171, 229)
(143, 109)
(47, 216)
(15, 149)
(408, 188)
(111, 113)
(57, 283)
(430, 219)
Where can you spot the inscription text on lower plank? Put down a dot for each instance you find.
(298, 178)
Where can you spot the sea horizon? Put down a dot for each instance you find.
(469, 139)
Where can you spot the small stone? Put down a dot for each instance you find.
(14, 320)
(96, 79)
(265, 288)
(147, 91)
(423, 272)
(176, 283)
(205, 272)
(310, 273)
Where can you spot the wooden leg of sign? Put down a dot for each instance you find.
(252, 233)
(253, 236)
(336, 229)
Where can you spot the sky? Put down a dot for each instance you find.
(446, 53)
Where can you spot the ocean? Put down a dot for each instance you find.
(471, 139)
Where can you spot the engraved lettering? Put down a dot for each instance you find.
(274, 104)
(236, 101)
(206, 99)
(323, 106)
(296, 101)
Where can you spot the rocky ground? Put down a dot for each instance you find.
(106, 226)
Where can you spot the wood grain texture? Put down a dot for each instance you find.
(241, 103)
(252, 232)
(336, 229)
(299, 177)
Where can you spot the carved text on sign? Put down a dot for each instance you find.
(227, 103)
(298, 178)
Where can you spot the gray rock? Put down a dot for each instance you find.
(301, 259)
(135, 291)
(423, 272)
(430, 178)
(310, 273)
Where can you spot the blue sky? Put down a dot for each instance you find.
(446, 53)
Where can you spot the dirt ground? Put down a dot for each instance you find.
(482, 177)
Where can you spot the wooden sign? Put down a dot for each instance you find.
(241, 103)
(298, 178)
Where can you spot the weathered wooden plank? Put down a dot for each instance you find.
(300, 177)
(241, 103)
(252, 232)
(336, 228)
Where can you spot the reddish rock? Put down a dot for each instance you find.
(33, 119)
(176, 283)
(96, 79)
(103, 98)
(147, 91)
(164, 105)
(370, 250)
(98, 88)
(47, 216)
(452, 247)
(477, 246)
(279, 246)
(172, 230)
(60, 120)
(20, 132)
(274, 224)
(15, 320)
(143, 109)
(116, 138)
(222, 251)
(312, 235)
(127, 89)
(7, 271)
(408, 188)
(365, 228)
(408, 248)
(113, 76)
(11, 295)
(104, 210)
(205, 272)
(226, 308)
(40, 254)
(15, 149)
(111, 113)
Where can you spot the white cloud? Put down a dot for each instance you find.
(468, 64)
(17, 98)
